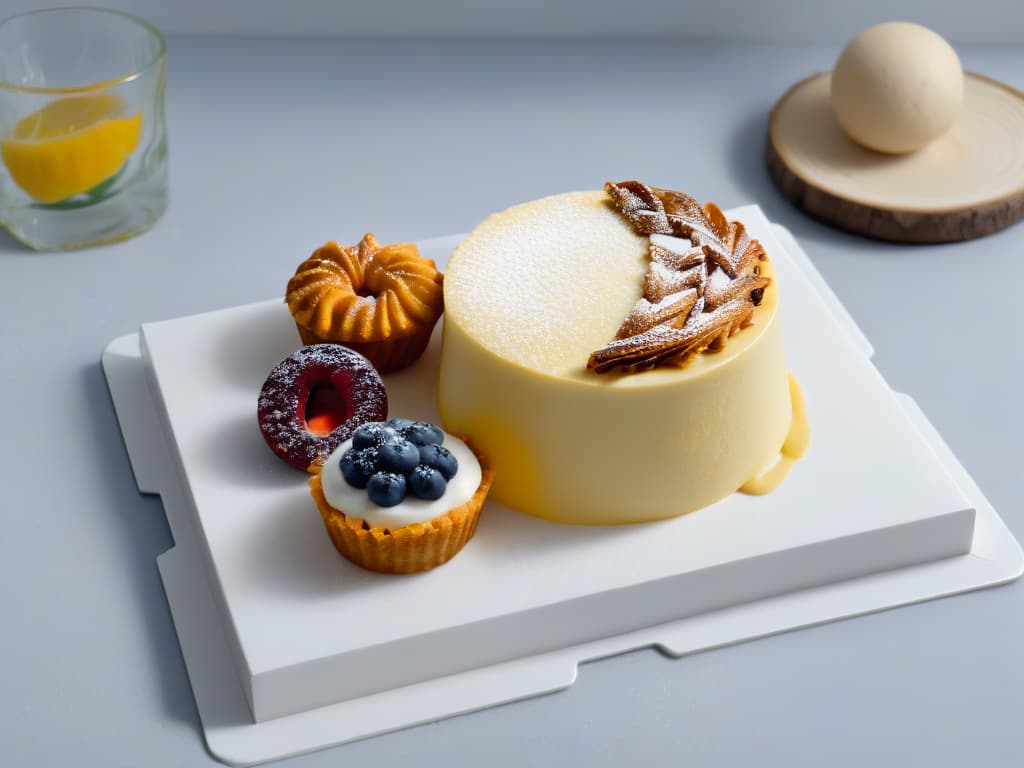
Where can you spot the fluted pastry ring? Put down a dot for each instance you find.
(366, 293)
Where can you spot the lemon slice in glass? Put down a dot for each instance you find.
(70, 145)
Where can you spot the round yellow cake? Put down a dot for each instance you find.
(529, 295)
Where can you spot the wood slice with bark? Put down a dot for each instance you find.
(966, 184)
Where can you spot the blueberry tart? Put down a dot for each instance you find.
(401, 496)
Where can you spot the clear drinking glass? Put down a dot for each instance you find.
(82, 137)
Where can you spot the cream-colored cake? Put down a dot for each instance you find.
(530, 295)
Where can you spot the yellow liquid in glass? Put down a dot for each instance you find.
(70, 146)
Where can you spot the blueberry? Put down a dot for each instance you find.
(357, 468)
(427, 483)
(365, 435)
(386, 489)
(367, 460)
(398, 455)
(423, 433)
(439, 458)
(399, 424)
(371, 434)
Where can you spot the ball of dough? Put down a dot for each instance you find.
(896, 87)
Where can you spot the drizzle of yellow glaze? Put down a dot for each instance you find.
(799, 437)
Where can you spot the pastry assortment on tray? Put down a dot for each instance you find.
(573, 413)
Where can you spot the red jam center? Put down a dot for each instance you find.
(326, 409)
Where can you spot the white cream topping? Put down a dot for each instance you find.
(356, 503)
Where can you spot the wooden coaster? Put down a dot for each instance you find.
(967, 184)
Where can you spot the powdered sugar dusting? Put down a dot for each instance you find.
(672, 243)
(718, 281)
(544, 283)
(645, 314)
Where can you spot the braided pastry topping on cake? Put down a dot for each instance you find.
(701, 287)
(382, 301)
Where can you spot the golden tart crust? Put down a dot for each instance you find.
(382, 301)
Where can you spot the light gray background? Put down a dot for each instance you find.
(277, 146)
(998, 21)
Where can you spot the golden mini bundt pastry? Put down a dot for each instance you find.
(381, 301)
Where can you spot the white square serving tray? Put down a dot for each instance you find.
(291, 648)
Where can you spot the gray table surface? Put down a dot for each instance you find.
(277, 146)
